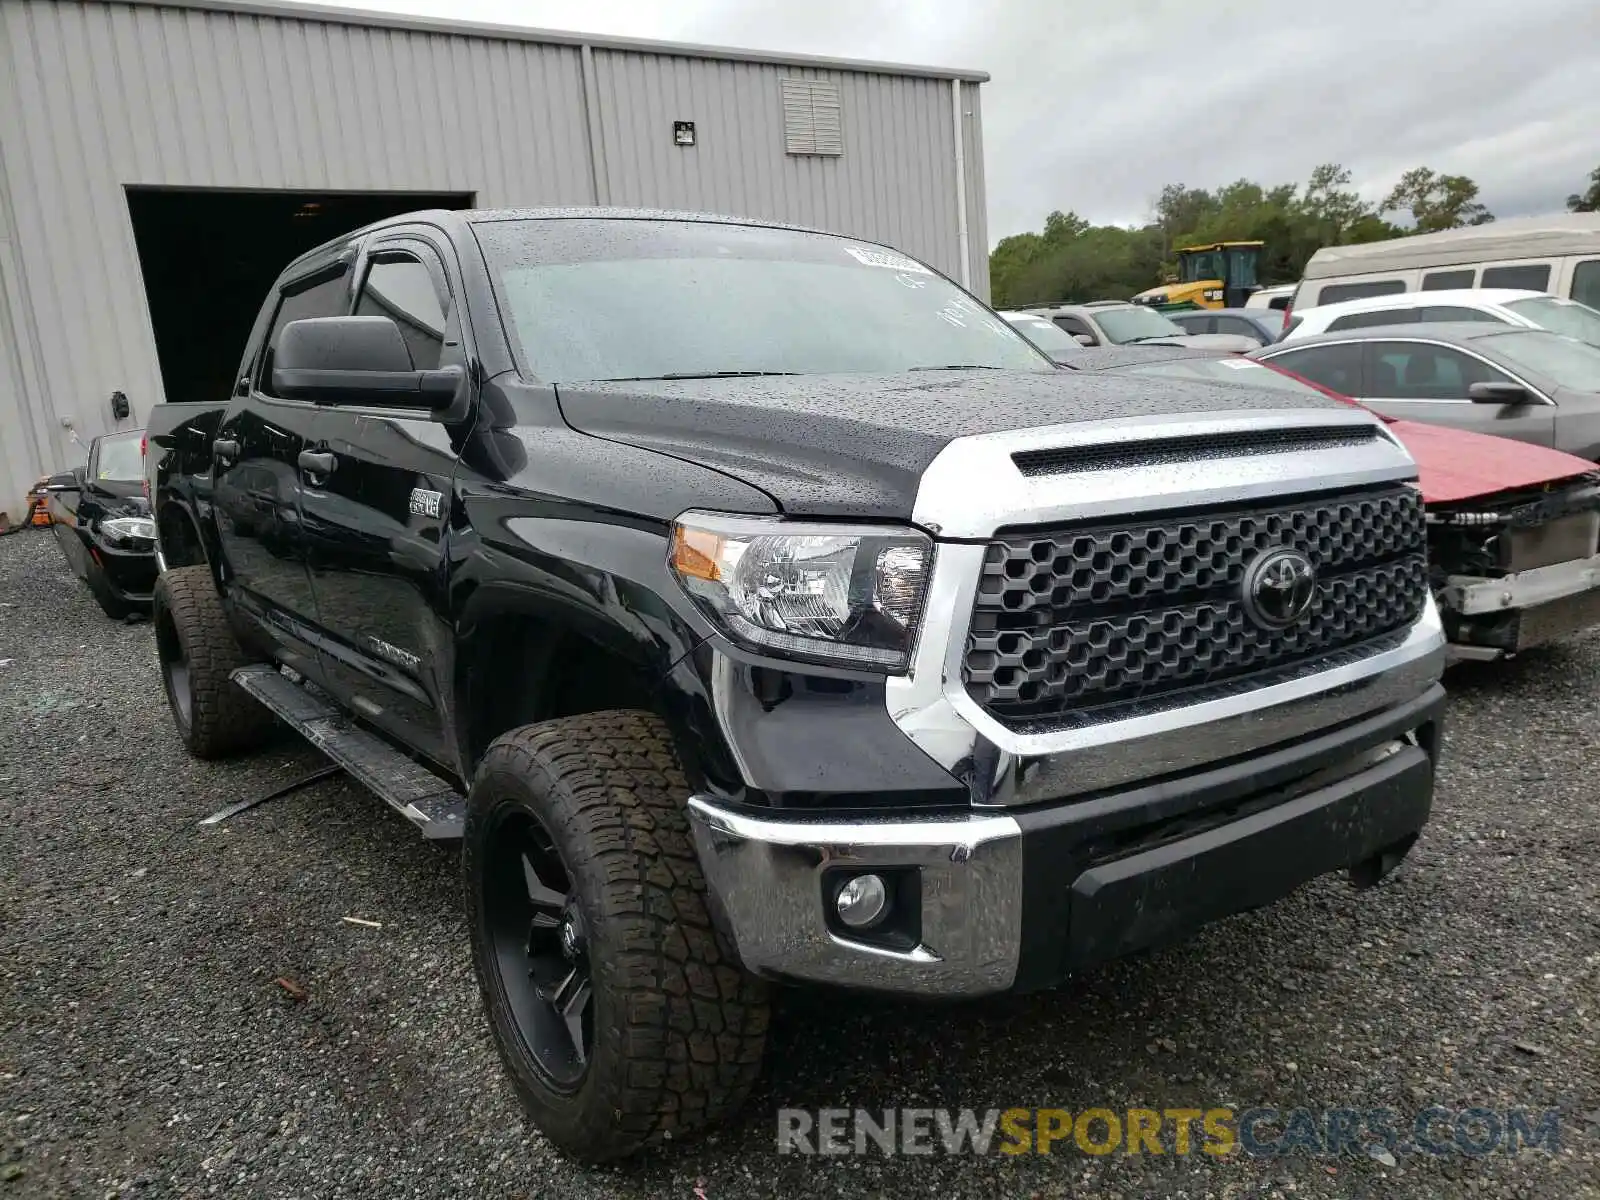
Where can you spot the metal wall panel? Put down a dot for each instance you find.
(96, 96)
(895, 181)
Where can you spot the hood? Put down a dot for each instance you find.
(857, 445)
(1237, 343)
(1456, 465)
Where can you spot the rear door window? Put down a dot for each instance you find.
(1531, 277)
(1242, 328)
(1195, 322)
(1444, 281)
(1586, 283)
(1378, 316)
(1335, 367)
(1422, 371)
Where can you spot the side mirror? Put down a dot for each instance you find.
(1497, 393)
(356, 360)
(1083, 339)
(65, 481)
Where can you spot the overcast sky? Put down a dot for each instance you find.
(1094, 104)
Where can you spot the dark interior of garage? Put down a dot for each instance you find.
(208, 257)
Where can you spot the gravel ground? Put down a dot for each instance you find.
(146, 1049)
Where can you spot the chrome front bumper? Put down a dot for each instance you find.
(769, 876)
(766, 879)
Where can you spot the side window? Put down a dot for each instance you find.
(1418, 371)
(326, 297)
(1444, 281)
(1335, 292)
(1586, 283)
(1452, 312)
(1379, 316)
(401, 287)
(1242, 328)
(1073, 325)
(1534, 277)
(1337, 368)
(1194, 322)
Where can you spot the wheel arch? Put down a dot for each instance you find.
(524, 655)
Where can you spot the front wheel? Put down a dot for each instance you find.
(620, 1017)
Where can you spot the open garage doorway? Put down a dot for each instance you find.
(209, 255)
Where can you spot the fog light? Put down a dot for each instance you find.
(862, 901)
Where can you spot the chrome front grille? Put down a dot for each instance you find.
(1093, 618)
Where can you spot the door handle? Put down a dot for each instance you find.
(224, 449)
(318, 462)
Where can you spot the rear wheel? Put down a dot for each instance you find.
(619, 1015)
(198, 654)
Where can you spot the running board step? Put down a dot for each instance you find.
(412, 790)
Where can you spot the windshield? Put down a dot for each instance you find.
(1046, 335)
(599, 299)
(120, 460)
(1133, 324)
(1564, 362)
(1561, 316)
(1204, 264)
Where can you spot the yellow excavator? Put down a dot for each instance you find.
(1220, 275)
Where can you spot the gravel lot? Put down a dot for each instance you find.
(146, 1049)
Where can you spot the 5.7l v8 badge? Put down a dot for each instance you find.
(425, 503)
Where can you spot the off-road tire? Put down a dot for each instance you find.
(679, 1026)
(188, 616)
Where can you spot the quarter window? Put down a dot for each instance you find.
(1337, 368)
(1534, 277)
(1419, 371)
(402, 288)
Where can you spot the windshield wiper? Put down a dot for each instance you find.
(957, 367)
(693, 375)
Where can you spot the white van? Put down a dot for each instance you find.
(1559, 255)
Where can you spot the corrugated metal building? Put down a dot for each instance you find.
(161, 159)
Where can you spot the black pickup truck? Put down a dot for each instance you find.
(756, 606)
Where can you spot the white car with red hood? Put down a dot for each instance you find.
(1512, 527)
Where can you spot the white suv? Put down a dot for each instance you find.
(1528, 310)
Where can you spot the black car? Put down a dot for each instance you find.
(102, 521)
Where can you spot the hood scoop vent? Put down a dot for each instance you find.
(1067, 460)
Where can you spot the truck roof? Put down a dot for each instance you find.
(460, 217)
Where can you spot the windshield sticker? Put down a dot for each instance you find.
(884, 258)
(1238, 364)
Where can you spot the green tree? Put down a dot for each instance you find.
(1436, 201)
(1589, 200)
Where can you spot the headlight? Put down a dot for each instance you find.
(127, 529)
(847, 594)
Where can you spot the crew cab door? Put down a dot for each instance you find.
(376, 524)
(257, 474)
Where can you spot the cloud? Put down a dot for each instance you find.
(1095, 105)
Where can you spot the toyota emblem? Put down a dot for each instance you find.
(1279, 587)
